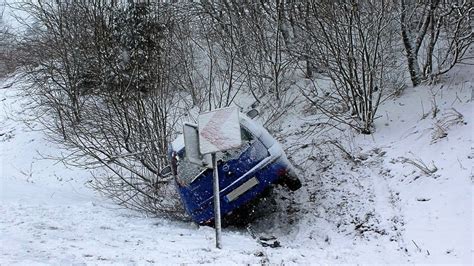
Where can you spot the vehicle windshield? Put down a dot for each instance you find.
(187, 172)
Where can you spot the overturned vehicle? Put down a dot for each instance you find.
(245, 173)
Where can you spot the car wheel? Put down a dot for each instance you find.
(292, 183)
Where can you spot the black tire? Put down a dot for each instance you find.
(292, 183)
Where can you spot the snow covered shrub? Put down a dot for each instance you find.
(355, 45)
(248, 48)
(101, 83)
(441, 126)
(7, 58)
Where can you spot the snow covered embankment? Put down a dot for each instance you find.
(429, 162)
(48, 216)
(400, 195)
(403, 196)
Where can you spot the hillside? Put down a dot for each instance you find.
(400, 195)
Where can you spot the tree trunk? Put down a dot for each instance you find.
(410, 50)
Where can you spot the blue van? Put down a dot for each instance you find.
(244, 173)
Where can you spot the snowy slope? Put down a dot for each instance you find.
(50, 217)
(436, 208)
(372, 205)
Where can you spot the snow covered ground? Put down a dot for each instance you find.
(377, 204)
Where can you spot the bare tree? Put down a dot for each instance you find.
(247, 48)
(436, 35)
(354, 43)
(7, 64)
(101, 77)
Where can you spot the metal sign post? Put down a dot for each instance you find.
(218, 130)
(217, 202)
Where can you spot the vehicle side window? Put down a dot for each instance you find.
(188, 171)
(245, 134)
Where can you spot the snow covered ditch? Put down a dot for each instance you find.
(401, 195)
